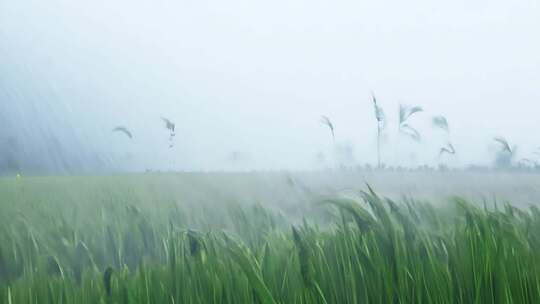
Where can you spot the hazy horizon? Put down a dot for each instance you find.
(247, 81)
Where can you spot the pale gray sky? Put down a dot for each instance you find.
(255, 76)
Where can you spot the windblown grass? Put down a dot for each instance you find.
(359, 249)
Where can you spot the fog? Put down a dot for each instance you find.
(246, 82)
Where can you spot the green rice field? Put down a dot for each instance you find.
(326, 237)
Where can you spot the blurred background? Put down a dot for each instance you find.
(246, 82)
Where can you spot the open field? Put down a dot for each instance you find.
(320, 237)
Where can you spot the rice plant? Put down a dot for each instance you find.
(441, 122)
(381, 124)
(359, 248)
(328, 123)
(170, 126)
(505, 156)
(405, 128)
(123, 130)
(449, 149)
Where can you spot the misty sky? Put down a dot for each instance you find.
(255, 76)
